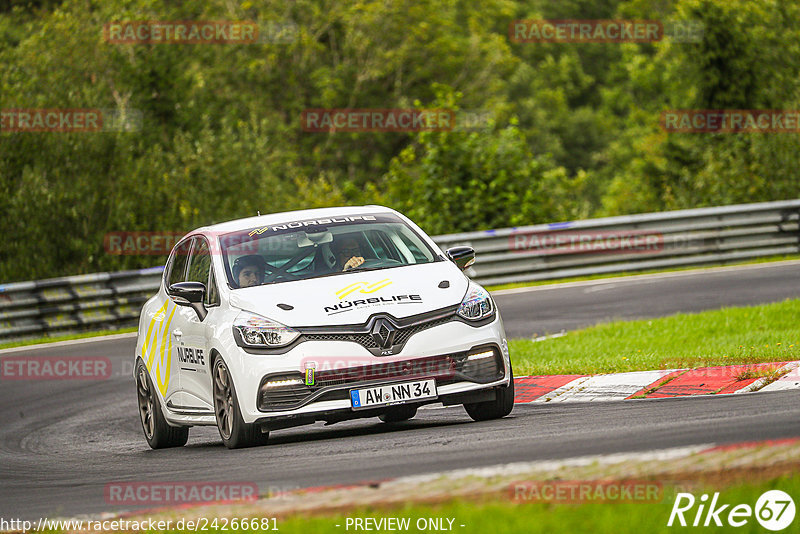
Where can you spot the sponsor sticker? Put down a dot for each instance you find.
(349, 305)
(363, 287)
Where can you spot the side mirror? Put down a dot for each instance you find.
(190, 294)
(463, 257)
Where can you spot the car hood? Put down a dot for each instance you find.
(352, 298)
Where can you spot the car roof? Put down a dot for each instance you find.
(289, 216)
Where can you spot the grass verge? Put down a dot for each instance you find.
(502, 515)
(754, 334)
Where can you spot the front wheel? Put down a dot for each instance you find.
(235, 433)
(158, 433)
(501, 406)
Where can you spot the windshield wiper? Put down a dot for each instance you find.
(365, 269)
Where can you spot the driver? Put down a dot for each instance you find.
(249, 270)
(348, 253)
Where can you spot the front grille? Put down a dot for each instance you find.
(365, 340)
(286, 398)
(433, 366)
(361, 334)
(334, 384)
(404, 334)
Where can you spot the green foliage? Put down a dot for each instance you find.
(743, 62)
(574, 130)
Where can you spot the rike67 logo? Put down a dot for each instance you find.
(774, 510)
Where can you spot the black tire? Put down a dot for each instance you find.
(235, 433)
(158, 433)
(500, 407)
(400, 413)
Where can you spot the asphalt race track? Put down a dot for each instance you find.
(61, 442)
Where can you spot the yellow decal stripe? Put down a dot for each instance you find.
(168, 357)
(157, 317)
(376, 286)
(365, 288)
(342, 293)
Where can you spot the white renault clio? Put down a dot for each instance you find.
(319, 315)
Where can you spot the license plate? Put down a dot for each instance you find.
(392, 394)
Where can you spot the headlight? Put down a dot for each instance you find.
(477, 304)
(257, 331)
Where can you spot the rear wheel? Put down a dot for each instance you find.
(158, 433)
(501, 406)
(399, 413)
(235, 433)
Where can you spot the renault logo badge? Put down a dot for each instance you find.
(383, 333)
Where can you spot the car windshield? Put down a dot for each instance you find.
(314, 248)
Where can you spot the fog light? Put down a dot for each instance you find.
(480, 355)
(282, 391)
(282, 383)
(481, 366)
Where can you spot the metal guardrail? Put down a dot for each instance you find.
(102, 301)
(595, 246)
(633, 242)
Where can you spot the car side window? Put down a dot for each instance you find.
(177, 269)
(199, 262)
(212, 295)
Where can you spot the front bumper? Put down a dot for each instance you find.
(335, 411)
(437, 352)
(280, 391)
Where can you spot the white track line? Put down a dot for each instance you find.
(662, 455)
(609, 387)
(791, 380)
(68, 342)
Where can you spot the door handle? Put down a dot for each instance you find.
(177, 333)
